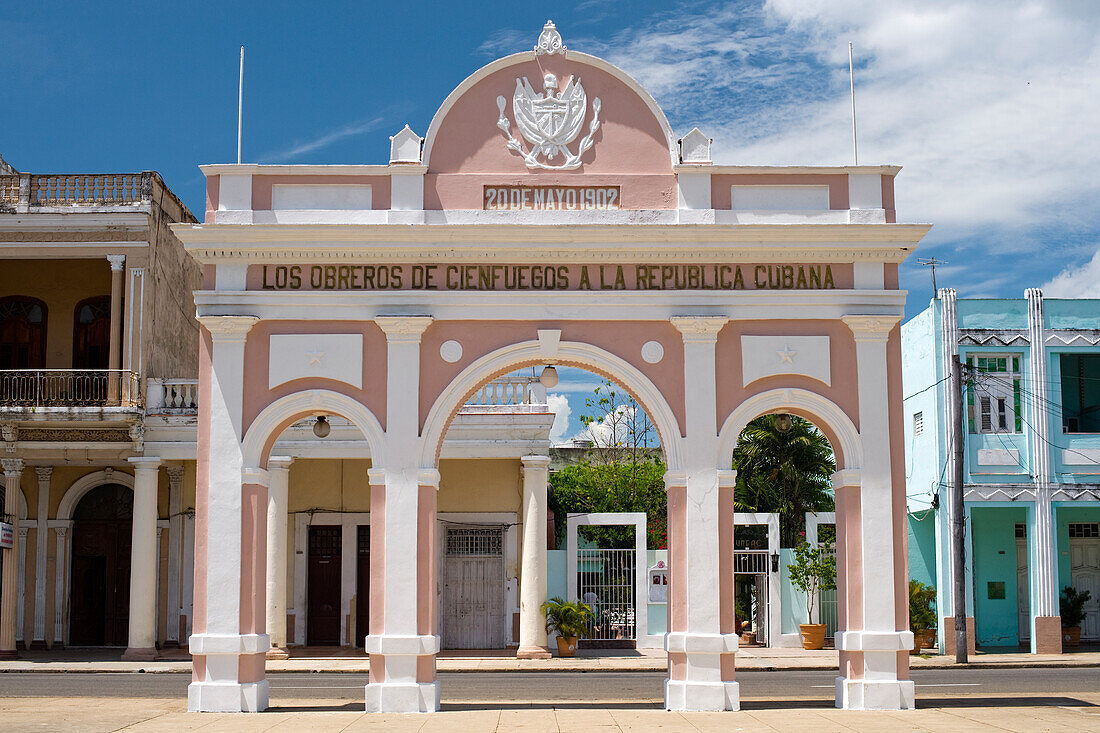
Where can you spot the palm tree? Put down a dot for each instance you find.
(784, 471)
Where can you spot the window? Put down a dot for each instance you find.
(1080, 393)
(1021, 530)
(1084, 529)
(918, 423)
(22, 333)
(993, 393)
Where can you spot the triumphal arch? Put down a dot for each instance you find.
(549, 216)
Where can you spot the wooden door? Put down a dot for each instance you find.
(92, 333)
(1023, 592)
(472, 606)
(362, 586)
(22, 333)
(323, 592)
(1084, 572)
(100, 595)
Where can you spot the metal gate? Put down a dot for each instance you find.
(828, 612)
(606, 582)
(472, 607)
(750, 568)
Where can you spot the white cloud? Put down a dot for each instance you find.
(324, 140)
(1076, 282)
(612, 429)
(559, 405)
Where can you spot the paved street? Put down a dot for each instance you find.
(1005, 699)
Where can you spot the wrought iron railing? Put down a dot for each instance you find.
(69, 388)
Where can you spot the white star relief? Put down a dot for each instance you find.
(786, 356)
(315, 356)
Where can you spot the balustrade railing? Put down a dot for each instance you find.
(172, 395)
(28, 190)
(69, 388)
(510, 391)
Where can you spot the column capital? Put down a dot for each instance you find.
(145, 463)
(13, 467)
(675, 479)
(428, 477)
(727, 478)
(61, 532)
(255, 475)
(376, 476)
(871, 328)
(175, 474)
(228, 328)
(117, 262)
(846, 477)
(44, 473)
(403, 328)
(279, 463)
(532, 462)
(23, 529)
(699, 328)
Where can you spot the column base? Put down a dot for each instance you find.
(949, 635)
(9, 654)
(38, 645)
(402, 697)
(533, 652)
(277, 652)
(139, 654)
(875, 694)
(684, 695)
(227, 697)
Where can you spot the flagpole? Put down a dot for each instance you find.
(240, 106)
(851, 79)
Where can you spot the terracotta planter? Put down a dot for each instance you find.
(923, 639)
(1071, 636)
(748, 637)
(813, 635)
(567, 646)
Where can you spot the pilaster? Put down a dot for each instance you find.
(175, 553)
(278, 468)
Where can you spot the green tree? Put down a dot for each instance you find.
(788, 472)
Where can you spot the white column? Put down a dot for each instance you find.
(1046, 626)
(13, 471)
(60, 583)
(117, 262)
(219, 684)
(175, 553)
(532, 624)
(144, 557)
(38, 638)
(879, 641)
(21, 575)
(278, 491)
(405, 642)
(697, 648)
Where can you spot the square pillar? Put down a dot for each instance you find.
(229, 642)
(403, 639)
(1046, 621)
(175, 554)
(144, 559)
(875, 649)
(13, 471)
(701, 642)
(533, 643)
(278, 468)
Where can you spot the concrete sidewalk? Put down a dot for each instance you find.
(642, 660)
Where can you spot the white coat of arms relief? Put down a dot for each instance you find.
(551, 120)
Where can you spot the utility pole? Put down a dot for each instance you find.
(958, 525)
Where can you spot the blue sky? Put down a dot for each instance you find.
(991, 106)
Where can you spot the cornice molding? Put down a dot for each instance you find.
(871, 328)
(228, 328)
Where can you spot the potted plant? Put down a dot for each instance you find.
(813, 571)
(570, 620)
(1071, 607)
(922, 616)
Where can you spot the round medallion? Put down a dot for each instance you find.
(653, 352)
(450, 351)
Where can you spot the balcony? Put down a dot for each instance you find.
(37, 389)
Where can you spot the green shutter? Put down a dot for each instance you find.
(1016, 404)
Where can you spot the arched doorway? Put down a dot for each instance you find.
(92, 333)
(22, 332)
(100, 597)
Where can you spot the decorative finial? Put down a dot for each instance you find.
(549, 41)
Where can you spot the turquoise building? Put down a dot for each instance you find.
(1031, 461)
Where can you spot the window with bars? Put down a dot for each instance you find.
(993, 394)
(1084, 529)
(484, 542)
(918, 423)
